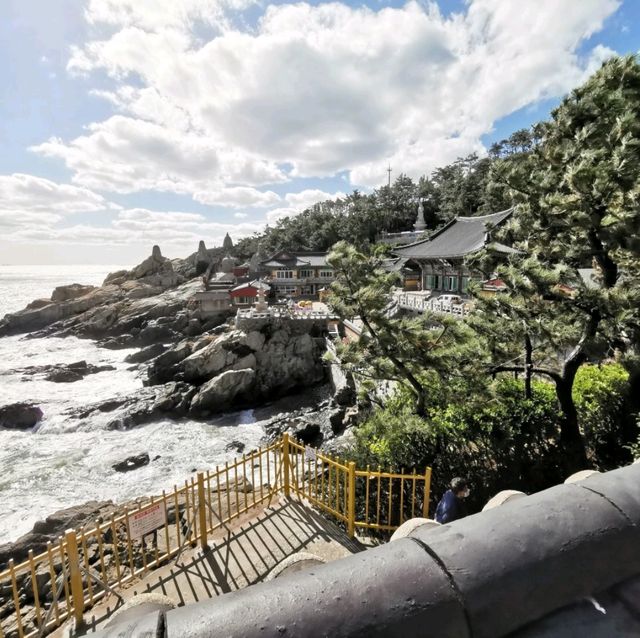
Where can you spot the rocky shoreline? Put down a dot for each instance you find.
(191, 368)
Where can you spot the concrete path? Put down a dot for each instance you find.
(244, 555)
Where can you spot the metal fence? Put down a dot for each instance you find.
(366, 499)
(80, 568)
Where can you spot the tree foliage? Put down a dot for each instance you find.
(576, 182)
(405, 350)
(460, 188)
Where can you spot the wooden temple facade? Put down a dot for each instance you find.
(439, 264)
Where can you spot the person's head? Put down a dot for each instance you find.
(460, 487)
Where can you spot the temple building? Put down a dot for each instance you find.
(246, 294)
(440, 260)
(298, 274)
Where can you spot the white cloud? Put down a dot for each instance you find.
(240, 215)
(298, 202)
(24, 194)
(155, 15)
(126, 155)
(277, 214)
(177, 233)
(309, 197)
(238, 197)
(329, 88)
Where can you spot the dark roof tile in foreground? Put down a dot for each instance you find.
(460, 237)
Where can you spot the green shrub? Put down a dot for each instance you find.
(499, 441)
(600, 394)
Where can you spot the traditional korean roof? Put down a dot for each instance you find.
(460, 237)
(286, 259)
(257, 285)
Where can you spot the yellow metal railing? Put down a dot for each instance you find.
(370, 499)
(84, 565)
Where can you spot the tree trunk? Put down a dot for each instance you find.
(571, 442)
(528, 365)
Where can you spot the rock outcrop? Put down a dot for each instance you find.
(243, 368)
(64, 372)
(223, 391)
(51, 528)
(135, 307)
(72, 291)
(19, 416)
(132, 463)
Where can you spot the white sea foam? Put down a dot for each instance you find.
(67, 461)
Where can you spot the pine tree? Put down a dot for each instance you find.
(576, 184)
(391, 348)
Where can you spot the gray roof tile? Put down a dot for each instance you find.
(462, 236)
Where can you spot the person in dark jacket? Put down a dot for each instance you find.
(451, 506)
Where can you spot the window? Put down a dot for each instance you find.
(451, 283)
(305, 273)
(326, 274)
(284, 274)
(287, 290)
(465, 284)
(432, 282)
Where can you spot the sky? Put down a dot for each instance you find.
(128, 123)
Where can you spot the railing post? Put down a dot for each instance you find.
(75, 577)
(202, 511)
(427, 492)
(352, 500)
(285, 465)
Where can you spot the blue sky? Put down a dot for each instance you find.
(125, 123)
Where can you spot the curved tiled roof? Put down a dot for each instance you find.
(461, 236)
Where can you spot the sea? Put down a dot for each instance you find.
(65, 460)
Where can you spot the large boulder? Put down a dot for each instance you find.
(223, 391)
(72, 291)
(19, 416)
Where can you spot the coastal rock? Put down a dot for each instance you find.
(146, 354)
(68, 373)
(124, 311)
(165, 366)
(52, 527)
(235, 446)
(132, 463)
(36, 318)
(19, 416)
(72, 291)
(222, 391)
(281, 360)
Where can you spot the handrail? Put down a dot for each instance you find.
(79, 569)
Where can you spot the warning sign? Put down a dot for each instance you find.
(146, 520)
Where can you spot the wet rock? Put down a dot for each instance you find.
(305, 431)
(20, 416)
(165, 367)
(146, 354)
(68, 373)
(235, 446)
(52, 527)
(64, 376)
(132, 463)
